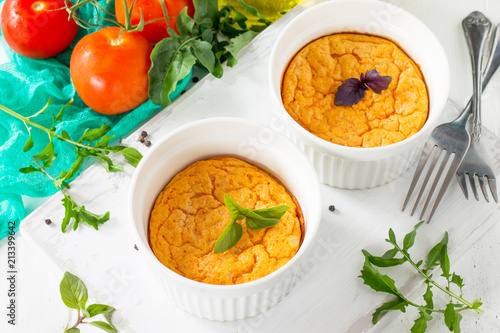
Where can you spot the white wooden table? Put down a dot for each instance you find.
(331, 298)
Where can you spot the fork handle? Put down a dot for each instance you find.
(477, 29)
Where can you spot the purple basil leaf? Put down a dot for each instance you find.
(350, 93)
(375, 81)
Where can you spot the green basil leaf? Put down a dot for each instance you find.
(421, 322)
(96, 309)
(236, 211)
(96, 133)
(276, 212)
(171, 61)
(409, 239)
(435, 252)
(46, 153)
(103, 326)
(86, 314)
(377, 281)
(203, 52)
(229, 237)
(132, 156)
(73, 292)
(397, 304)
(449, 315)
(29, 144)
(29, 169)
(258, 223)
(383, 262)
(72, 330)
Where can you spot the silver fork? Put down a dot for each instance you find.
(476, 162)
(449, 141)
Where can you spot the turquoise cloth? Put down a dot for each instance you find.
(25, 87)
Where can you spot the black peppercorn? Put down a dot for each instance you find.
(135, 247)
(144, 134)
(48, 221)
(147, 143)
(331, 208)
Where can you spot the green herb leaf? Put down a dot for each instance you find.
(73, 292)
(103, 326)
(132, 156)
(435, 253)
(381, 261)
(29, 144)
(457, 280)
(72, 330)
(428, 296)
(444, 260)
(421, 322)
(46, 153)
(449, 315)
(409, 239)
(456, 322)
(203, 52)
(229, 237)
(476, 304)
(80, 215)
(236, 211)
(96, 309)
(390, 253)
(392, 237)
(239, 42)
(171, 61)
(29, 169)
(377, 281)
(184, 23)
(397, 304)
(96, 133)
(206, 12)
(108, 164)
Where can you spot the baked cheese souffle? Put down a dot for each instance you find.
(313, 76)
(189, 215)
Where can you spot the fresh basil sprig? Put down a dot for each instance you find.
(93, 143)
(207, 40)
(74, 295)
(438, 256)
(254, 218)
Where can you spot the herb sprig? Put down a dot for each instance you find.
(353, 90)
(74, 295)
(254, 219)
(438, 256)
(93, 143)
(207, 40)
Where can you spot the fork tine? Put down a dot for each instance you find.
(473, 185)
(446, 157)
(435, 156)
(463, 184)
(493, 188)
(482, 184)
(421, 164)
(451, 171)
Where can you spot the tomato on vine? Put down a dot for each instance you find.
(109, 69)
(37, 28)
(151, 10)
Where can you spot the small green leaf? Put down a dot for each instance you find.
(256, 224)
(240, 41)
(103, 142)
(46, 153)
(382, 262)
(428, 296)
(103, 326)
(252, 10)
(456, 322)
(476, 304)
(80, 215)
(86, 314)
(390, 253)
(29, 169)
(29, 144)
(96, 309)
(444, 260)
(377, 281)
(409, 239)
(72, 330)
(108, 164)
(73, 292)
(236, 211)
(203, 52)
(206, 12)
(229, 237)
(392, 236)
(48, 162)
(132, 156)
(435, 253)
(66, 175)
(275, 212)
(457, 280)
(96, 133)
(65, 135)
(184, 23)
(421, 322)
(397, 304)
(449, 316)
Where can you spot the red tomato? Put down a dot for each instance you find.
(36, 28)
(151, 9)
(111, 74)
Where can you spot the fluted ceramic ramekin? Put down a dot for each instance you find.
(351, 167)
(224, 137)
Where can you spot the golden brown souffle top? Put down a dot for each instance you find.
(314, 74)
(189, 215)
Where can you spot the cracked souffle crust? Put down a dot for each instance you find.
(314, 74)
(189, 215)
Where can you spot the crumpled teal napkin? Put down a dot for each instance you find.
(25, 87)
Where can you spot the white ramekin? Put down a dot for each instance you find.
(349, 167)
(224, 137)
